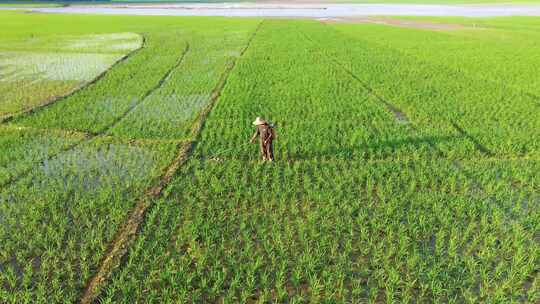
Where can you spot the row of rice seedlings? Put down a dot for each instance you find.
(21, 149)
(307, 231)
(56, 222)
(81, 67)
(320, 113)
(337, 231)
(108, 105)
(125, 87)
(76, 42)
(508, 56)
(33, 72)
(498, 120)
(170, 111)
(82, 195)
(20, 164)
(518, 178)
(313, 229)
(24, 94)
(105, 101)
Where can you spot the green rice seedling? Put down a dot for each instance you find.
(379, 224)
(57, 221)
(320, 113)
(108, 99)
(170, 111)
(21, 149)
(478, 49)
(32, 76)
(75, 195)
(477, 109)
(384, 188)
(391, 240)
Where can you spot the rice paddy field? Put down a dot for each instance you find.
(406, 169)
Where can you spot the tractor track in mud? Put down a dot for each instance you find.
(89, 136)
(77, 89)
(127, 233)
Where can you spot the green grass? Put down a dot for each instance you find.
(406, 164)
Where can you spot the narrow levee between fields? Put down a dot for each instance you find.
(127, 233)
(52, 77)
(323, 221)
(108, 171)
(91, 136)
(376, 193)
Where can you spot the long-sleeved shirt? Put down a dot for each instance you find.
(264, 132)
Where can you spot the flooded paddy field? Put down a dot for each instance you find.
(300, 10)
(407, 153)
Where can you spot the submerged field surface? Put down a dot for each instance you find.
(406, 164)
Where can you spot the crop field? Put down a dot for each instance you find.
(37, 70)
(406, 167)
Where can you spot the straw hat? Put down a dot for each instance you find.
(259, 121)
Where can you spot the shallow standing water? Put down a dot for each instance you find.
(299, 10)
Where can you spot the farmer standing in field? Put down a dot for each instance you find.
(266, 135)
